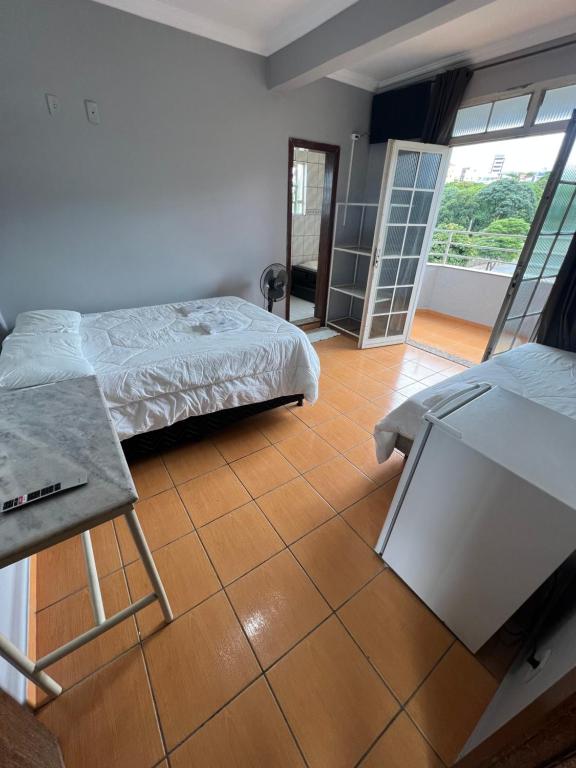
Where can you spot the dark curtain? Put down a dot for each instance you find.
(447, 92)
(557, 327)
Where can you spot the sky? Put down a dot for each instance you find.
(533, 153)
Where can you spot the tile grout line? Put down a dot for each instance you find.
(412, 695)
(263, 674)
(152, 693)
(140, 641)
(196, 529)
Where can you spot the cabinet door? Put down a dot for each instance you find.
(412, 184)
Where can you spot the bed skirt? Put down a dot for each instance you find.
(197, 427)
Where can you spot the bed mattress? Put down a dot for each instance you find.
(543, 374)
(156, 366)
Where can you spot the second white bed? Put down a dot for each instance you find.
(543, 374)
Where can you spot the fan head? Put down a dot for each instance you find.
(273, 283)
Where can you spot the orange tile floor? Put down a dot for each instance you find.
(451, 334)
(293, 643)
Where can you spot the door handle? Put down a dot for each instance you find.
(377, 257)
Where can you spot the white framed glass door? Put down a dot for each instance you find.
(412, 184)
(543, 254)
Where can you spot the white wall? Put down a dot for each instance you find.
(466, 293)
(14, 623)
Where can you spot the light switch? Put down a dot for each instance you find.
(53, 103)
(92, 112)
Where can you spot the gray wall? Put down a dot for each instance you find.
(179, 193)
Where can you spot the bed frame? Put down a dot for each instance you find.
(403, 444)
(197, 427)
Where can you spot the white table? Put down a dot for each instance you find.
(70, 418)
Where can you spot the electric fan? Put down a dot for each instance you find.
(273, 283)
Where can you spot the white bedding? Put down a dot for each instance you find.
(543, 374)
(157, 365)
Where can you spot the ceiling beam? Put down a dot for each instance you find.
(356, 33)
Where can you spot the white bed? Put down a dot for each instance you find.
(543, 374)
(157, 366)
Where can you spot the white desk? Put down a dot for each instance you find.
(70, 418)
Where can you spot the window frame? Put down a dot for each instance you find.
(536, 92)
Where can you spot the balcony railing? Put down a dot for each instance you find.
(487, 251)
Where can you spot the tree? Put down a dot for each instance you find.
(458, 203)
(455, 246)
(504, 199)
(508, 233)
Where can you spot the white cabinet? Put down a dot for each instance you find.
(380, 249)
(485, 510)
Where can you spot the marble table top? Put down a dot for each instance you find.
(71, 419)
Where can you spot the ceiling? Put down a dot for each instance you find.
(494, 30)
(498, 28)
(261, 26)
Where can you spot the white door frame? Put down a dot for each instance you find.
(392, 151)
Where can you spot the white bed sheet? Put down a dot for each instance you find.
(543, 374)
(156, 367)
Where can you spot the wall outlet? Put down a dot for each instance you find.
(92, 112)
(53, 103)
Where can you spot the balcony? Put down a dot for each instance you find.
(464, 284)
(491, 251)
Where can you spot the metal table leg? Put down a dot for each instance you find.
(148, 562)
(34, 671)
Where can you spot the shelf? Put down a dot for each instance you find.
(350, 290)
(354, 249)
(347, 324)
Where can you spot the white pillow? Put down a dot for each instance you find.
(29, 360)
(48, 321)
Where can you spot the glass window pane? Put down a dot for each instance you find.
(413, 241)
(378, 326)
(523, 297)
(539, 255)
(399, 214)
(388, 272)
(428, 170)
(383, 300)
(560, 201)
(472, 120)
(421, 207)
(569, 224)
(540, 296)
(509, 113)
(407, 271)
(526, 330)
(406, 167)
(557, 105)
(556, 258)
(394, 240)
(569, 173)
(401, 299)
(507, 336)
(396, 324)
(401, 197)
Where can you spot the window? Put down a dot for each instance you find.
(299, 173)
(557, 105)
(522, 115)
(492, 116)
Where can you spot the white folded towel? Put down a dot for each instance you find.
(219, 321)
